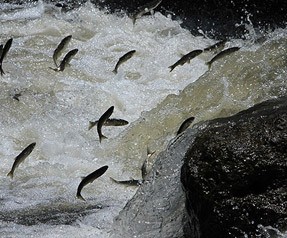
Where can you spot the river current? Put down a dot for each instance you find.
(53, 109)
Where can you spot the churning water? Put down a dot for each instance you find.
(54, 108)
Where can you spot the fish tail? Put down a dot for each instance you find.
(1, 70)
(10, 174)
(79, 196)
(103, 137)
(171, 68)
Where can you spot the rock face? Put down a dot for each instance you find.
(158, 208)
(235, 173)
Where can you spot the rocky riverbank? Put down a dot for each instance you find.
(234, 176)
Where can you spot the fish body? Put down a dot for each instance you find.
(21, 157)
(102, 121)
(185, 125)
(89, 179)
(60, 48)
(149, 7)
(132, 182)
(221, 55)
(67, 59)
(216, 47)
(123, 59)
(109, 122)
(4, 52)
(1, 50)
(185, 58)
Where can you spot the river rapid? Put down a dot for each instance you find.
(54, 108)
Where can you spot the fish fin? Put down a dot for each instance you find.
(208, 64)
(56, 69)
(10, 174)
(114, 180)
(91, 125)
(79, 196)
(115, 71)
(103, 137)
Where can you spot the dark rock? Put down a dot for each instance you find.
(216, 18)
(235, 173)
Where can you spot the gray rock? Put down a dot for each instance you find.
(235, 173)
(158, 207)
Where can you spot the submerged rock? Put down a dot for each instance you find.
(235, 173)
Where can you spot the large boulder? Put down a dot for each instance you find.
(235, 173)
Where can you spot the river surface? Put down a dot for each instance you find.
(53, 108)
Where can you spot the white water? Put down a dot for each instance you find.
(55, 108)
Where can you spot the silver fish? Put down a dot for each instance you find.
(217, 46)
(132, 182)
(185, 125)
(60, 48)
(102, 121)
(185, 58)
(21, 157)
(4, 52)
(89, 179)
(123, 59)
(221, 55)
(149, 7)
(109, 122)
(68, 57)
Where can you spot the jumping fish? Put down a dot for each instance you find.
(217, 46)
(21, 157)
(109, 122)
(102, 121)
(185, 58)
(132, 182)
(68, 57)
(4, 50)
(60, 48)
(149, 7)
(221, 55)
(185, 125)
(89, 179)
(123, 59)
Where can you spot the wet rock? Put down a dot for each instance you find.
(235, 173)
(218, 19)
(158, 207)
